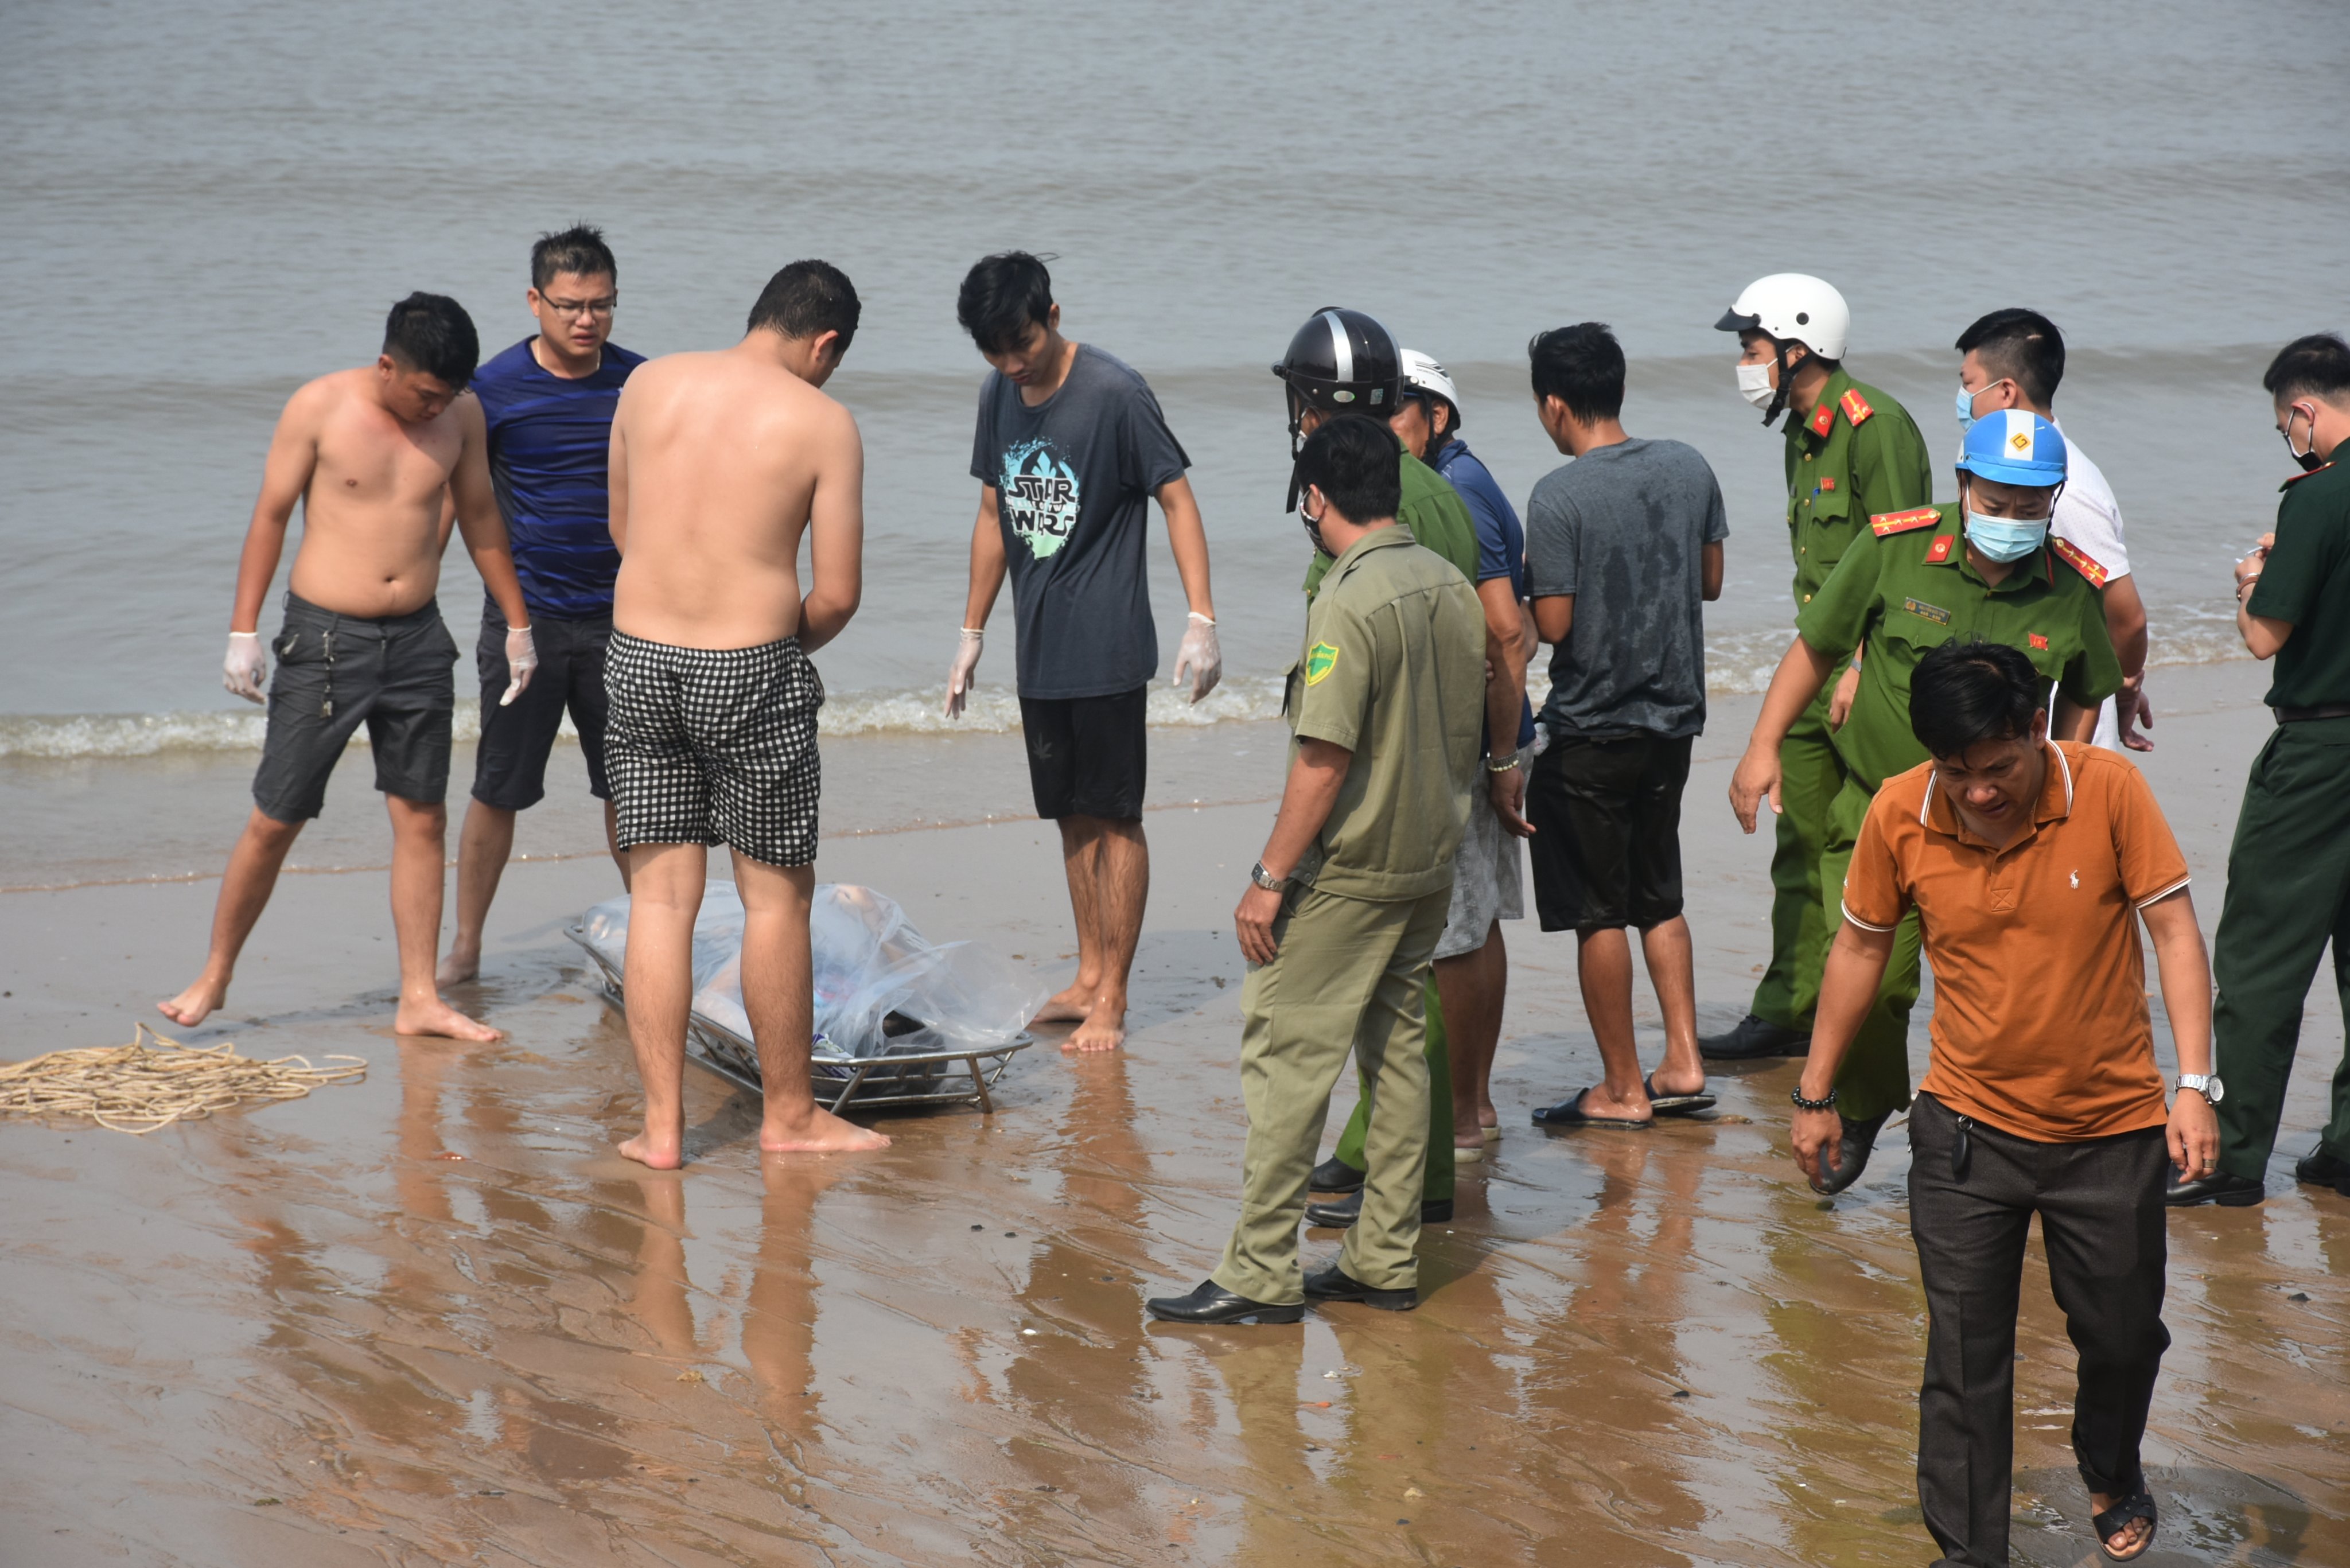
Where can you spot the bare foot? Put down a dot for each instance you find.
(819, 1131)
(437, 1018)
(660, 1155)
(1104, 1028)
(1073, 1005)
(1599, 1102)
(1487, 1117)
(196, 1004)
(462, 965)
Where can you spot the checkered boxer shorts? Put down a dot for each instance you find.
(715, 746)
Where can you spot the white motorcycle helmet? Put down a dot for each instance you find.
(1792, 307)
(1424, 378)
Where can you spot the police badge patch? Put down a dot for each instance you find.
(1320, 659)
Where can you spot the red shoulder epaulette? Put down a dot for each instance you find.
(2080, 561)
(1824, 419)
(2297, 478)
(1855, 407)
(1888, 522)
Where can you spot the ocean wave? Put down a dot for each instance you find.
(1735, 664)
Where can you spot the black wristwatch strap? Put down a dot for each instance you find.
(1796, 1095)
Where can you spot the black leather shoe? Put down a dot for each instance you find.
(1347, 1210)
(1335, 1284)
(1335, 1175)
(1755, 1037)
(2212, 1186)
(1214, 1304)
(1858, 1142)
(2320, 1168)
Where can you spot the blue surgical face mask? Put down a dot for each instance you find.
(2005, 539)
(1967, 403)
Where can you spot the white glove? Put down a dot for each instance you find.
(521, 661)
(960, 674)
(245, 668)
(1199, 655)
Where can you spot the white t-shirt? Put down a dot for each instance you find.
(2090, 520)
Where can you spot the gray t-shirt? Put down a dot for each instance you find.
(1072, 479)
(1623, 529)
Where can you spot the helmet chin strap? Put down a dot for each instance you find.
(1786, 381)
(1296, 445)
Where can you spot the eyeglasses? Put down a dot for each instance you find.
(580, 307)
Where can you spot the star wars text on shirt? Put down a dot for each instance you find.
(1039, 497)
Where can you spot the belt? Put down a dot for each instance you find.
(2303, 715)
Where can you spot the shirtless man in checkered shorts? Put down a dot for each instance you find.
(720, 462)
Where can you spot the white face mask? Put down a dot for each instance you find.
(1754, 385)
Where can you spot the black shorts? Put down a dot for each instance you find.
(396, 675)
(715, 746)
(510, 763)
(1606, 848)
(1087, 756)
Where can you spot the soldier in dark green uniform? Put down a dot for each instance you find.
(2289, 870)
(1852, 451)
(1345, 361)
(1984, 569)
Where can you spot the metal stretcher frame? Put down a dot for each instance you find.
(953, 1076)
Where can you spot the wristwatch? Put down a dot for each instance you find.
(1266, 879)
(2207, 1085)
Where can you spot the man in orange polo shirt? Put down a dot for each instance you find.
(2029, 863)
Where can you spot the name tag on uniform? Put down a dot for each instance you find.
(1934, 613)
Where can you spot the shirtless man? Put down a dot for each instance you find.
(377, 456)
(720, 462)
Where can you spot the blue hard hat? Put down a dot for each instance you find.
(2014, 446)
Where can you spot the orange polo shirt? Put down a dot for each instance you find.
(2040, 1018)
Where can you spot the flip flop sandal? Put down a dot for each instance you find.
(1571, 1113)
(1467, 1153)
(1493, 1135)
(2138, 1505)
(1665, 1104)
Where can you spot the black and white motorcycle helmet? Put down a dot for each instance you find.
(1341, 361)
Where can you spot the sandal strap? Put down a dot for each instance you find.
(2138, 1505)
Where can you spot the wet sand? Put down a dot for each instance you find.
(432, 1318)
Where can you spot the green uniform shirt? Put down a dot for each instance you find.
(1394, 670)
(1910, 588)
(1438, 519)
(2306, 580)
(1858, 455)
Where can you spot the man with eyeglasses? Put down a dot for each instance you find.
(548, 401)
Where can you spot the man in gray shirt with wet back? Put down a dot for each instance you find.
(1623, 547)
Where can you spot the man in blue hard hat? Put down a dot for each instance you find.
(1984, 569)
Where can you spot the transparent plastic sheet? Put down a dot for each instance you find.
(874, 974)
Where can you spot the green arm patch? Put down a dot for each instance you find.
(1320, 659)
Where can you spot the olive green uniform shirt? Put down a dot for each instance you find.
(1438, 519)
(1857, 455)
(1906, 586)
(1394, 670)
(2306, 580)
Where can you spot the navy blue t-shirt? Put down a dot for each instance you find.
(1501, 540)
(550, 448)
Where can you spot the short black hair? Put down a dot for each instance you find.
(432, 333)
(2317, 366)
(808, 299)
(1583, 367)
(579, 250)
(1353, 461)
(1963, 693)
(1000, 296)
(2021, 345)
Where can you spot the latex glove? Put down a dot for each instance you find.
(521, 661)
(247, 667)
(962, 676)
(1200, 656)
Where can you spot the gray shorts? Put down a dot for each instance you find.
(1488, 882)
(715, 746)
(396, 675)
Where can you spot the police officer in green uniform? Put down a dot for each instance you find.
(1985, 569)
(1339, 924)
(1343, 361)
(1851, 452)
(2288, 869)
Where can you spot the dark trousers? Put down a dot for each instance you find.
(2288, 896)
(2101, 1220)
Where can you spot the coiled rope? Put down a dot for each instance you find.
(136, 1088)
